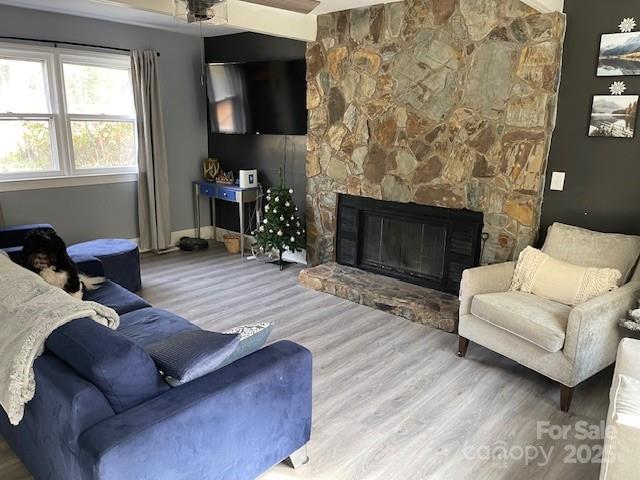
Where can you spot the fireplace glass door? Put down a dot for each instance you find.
(429, 246)
(409, 247)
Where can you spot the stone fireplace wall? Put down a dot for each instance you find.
(448, 103)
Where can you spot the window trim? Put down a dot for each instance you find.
(57, 170)
(65, 182)
(65, 172)
(80, 172)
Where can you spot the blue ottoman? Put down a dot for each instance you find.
(121, 260)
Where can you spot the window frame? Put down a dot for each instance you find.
(65, 172)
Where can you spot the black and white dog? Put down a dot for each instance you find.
(45, 253)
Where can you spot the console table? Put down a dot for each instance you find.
(227, 193)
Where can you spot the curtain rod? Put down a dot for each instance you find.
(75, 44)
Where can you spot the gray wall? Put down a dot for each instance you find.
(601, 189)
(78, 213)
(81, 213)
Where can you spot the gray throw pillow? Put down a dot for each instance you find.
(252, 339)
(190, 355)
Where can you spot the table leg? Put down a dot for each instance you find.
(214, 223)
(196, 201)
(210, 211)
(241, 208)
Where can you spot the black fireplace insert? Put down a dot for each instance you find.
(428, 246)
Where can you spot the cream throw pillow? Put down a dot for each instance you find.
(623, 433)
(546, 277)
(626, 410)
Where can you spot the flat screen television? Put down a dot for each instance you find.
(258, 97)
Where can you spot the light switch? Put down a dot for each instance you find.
(557, 181)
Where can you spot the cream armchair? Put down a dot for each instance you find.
(565, 344)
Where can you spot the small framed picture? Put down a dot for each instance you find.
(614, 116)
(619, 54)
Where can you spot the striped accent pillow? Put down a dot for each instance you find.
(190, 355)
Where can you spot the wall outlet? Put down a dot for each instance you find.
(557, 181)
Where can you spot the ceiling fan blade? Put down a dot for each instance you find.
(298, 6)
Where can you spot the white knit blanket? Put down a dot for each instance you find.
(30, 309)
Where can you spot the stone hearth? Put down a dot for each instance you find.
(418, 304)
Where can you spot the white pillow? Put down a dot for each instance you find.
(622, 434)
(626, 406)
(562, 282)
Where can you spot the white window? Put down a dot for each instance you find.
(65, 115)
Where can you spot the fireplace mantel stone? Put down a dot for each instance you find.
(447, 103)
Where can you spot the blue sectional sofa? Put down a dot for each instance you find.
(101, 410)
(12, 238)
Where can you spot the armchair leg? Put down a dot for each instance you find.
(566, 395)
(298, 458)
(463, 344)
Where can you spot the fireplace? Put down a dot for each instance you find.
(424, 245)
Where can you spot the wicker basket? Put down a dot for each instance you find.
(232, 242)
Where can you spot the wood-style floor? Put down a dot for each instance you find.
(392, 401)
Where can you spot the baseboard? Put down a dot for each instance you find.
(207, 234)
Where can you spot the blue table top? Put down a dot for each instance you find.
(225, 185)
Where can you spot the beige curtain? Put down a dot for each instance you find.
(153, 176)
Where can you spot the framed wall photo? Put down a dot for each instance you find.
(619, 54)
(614, 116)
